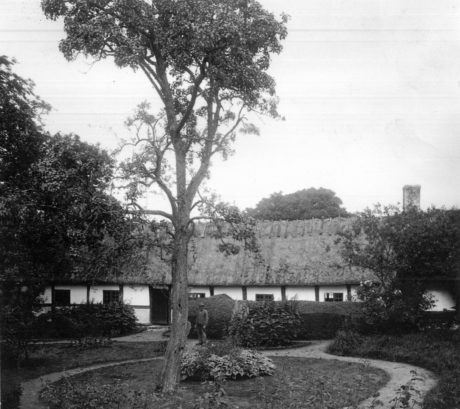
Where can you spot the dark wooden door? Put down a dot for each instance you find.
(159, 305)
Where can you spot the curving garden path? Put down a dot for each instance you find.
(400, 374)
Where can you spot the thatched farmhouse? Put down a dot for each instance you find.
(298, 260)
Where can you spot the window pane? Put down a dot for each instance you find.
(109, 296)
(338, 296)
(264, 297)
(62, 297)
(194, 296)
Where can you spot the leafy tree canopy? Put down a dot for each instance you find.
(56, 219)
(404, 249)
(301, 205)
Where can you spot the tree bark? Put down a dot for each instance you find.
(171, 368)
(176, 345)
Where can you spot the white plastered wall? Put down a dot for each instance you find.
(252, 291)
(77, 293)
(443, 300)
(46, 296)
(300, 293)
(96, 291)
(233, 292)
(136, 295)
(202, 289)
(142, 315)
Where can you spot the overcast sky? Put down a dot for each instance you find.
(370, 91)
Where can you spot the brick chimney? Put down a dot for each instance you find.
(411, 196)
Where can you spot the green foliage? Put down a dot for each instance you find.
(387, 309)
(319, 325)
(301, 205)
(65, 395)
(404, 249)
(87, 320)
(18, 326)
(220, 310)
(345, 342)
(224, 363)
(265, 324)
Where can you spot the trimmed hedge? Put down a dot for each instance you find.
(86, 320)
(220, 310)
(265, 324)
(321, 320)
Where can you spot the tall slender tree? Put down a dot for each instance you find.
(207, 60)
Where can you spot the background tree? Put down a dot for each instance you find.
(405, 250)
(301, 205)
(56, 219)
(207, 61)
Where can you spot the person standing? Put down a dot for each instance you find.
(201, 323)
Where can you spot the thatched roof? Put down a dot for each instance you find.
(291, 253)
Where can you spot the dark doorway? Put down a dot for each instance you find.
(159, 305)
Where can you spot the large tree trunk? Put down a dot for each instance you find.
(171, 368)
(176, 345)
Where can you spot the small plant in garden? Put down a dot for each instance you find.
(219, 364)
(216, 398)
(265, 324)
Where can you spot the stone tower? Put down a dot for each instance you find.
(411, 196)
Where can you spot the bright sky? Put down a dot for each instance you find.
(370, 91)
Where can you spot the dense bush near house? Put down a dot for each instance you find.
(87, 320)
(224, 361)
(265, 324)
(433, 350)
(220, 310)
(320, 325)
(17, 331)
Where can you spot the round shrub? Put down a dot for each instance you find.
(211, 364)
(346, 343)
(266, 324)
(220, 311)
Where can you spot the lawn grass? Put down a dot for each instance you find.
(47, 358)
(297, 383)
(436, 351)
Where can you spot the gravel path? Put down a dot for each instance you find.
(421, 380)
(401, 374)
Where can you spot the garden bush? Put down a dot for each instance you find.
(87, 320)
(265, 324)
(228, 362)
(320, 325)
(220, 310)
